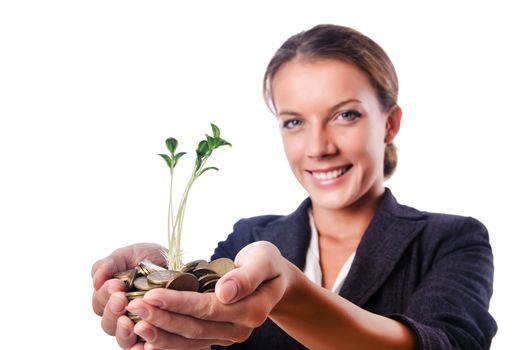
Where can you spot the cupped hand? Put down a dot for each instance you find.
(109, 300)
(242, 301)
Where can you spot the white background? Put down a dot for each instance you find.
(89, 90)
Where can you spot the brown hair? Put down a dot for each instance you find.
(348, 45)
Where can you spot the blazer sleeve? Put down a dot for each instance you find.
(449, 308)
(235, 241)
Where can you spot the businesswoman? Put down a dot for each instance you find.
(351, 268)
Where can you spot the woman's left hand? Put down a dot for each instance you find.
(242, 301)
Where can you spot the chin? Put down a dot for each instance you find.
(342, 199)
(330, 202)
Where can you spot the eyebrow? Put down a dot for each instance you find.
(340, 104)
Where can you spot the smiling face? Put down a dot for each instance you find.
(334, 130)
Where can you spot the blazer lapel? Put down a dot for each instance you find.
(391, 230)
(290, 234)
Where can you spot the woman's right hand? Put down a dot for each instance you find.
(109, 300)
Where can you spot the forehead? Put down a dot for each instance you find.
(303, 83)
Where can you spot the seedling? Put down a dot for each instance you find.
(175, 223)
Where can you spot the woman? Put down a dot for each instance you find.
(350, 268)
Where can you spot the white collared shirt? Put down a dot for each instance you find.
(312, 269)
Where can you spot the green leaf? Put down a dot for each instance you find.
(172, 144)
(211, 142)
(202, 149)
(222, 142)
(198, 162)
(178, 156)
(208, 168)
(216, 131)
(167, 159)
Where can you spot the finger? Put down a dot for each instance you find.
(204, 306)
(125, 258)
(187, 326)
(141, 346)
(115, 308)
(100, 297)
(159, 339)
(135, 253)
(256, 263)
(103, 270)
(125, 336)
(249, 312)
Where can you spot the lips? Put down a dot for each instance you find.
(324, 175)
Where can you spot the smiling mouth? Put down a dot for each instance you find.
(330, 175)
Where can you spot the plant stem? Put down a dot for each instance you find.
(178, 225)
(171, 210)
(175, 253)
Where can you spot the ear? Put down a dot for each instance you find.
(392, 125)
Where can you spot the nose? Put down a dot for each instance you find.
(320, 143)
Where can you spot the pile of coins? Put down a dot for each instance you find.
(197, 276)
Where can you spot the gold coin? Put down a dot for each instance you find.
(135, 318)
(162, 277)
(123, 275)
(184, 282)
(222, 265)
(208, 285)
(127, 277)
(142, 283)
(141, 270)
(202, 271)
(202, 263)
(207, 278)
(133, 276)
(190, 266)
(135, 295)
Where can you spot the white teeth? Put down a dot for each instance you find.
(330, 174)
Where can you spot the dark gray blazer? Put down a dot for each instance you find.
(433, 272)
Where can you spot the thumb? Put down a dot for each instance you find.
(255, 264)
(102, 271)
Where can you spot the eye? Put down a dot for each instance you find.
(349, 115)
(291, 123)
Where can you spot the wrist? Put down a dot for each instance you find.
(295, 284)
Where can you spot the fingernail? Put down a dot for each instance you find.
(123, 332)
(229, 290)
(154, 302)
(116, 306)
(147, 334)
(149, 346)
(140, 311)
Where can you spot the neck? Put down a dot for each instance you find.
(348, 222)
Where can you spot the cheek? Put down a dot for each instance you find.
(355, 144)
(364, 146)
(376, 153)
